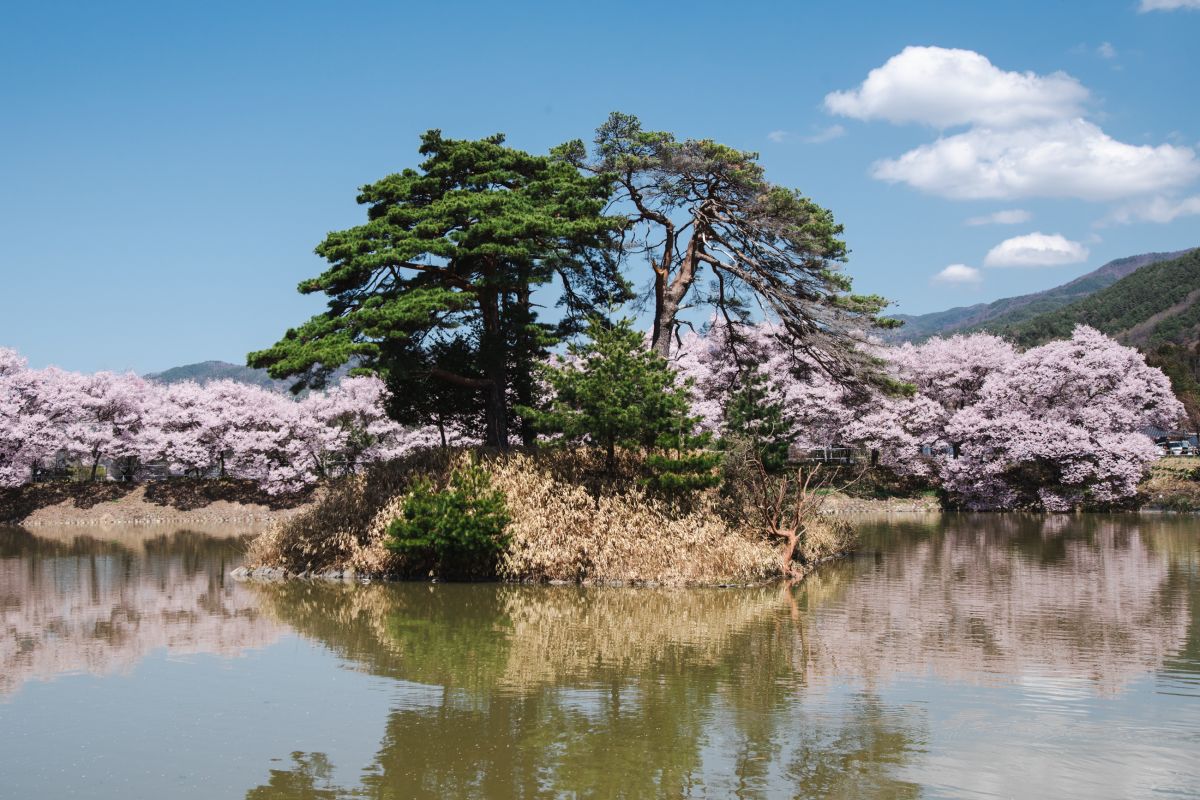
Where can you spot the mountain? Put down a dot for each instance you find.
(1157, 305)
(207, 371)
(1156, 309)
(1009, 312)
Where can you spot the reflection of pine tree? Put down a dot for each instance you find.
(300, 782)
(855, 758)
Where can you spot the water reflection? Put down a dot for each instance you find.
(1006, 598)
(556, 691)
(74, 603)
(954, 656)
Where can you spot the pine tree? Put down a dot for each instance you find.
(452, 252)
(615, 392)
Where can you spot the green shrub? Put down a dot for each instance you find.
(752, 418)
(455, 532)
(682, 474)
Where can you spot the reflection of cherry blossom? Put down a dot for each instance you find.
(1006, 599)
(101, 609)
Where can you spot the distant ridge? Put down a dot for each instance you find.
(208, 371)
(1155, 306)
(1155, 309)
(1009, 312)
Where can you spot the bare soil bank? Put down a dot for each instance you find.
(184, 502)
(839, 503)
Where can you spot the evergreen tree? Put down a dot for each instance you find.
(753, 416)
(696, 207)
(446, 265)
(614, 391)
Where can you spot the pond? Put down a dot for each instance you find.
(953, 656)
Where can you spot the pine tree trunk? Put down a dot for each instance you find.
(492, 353)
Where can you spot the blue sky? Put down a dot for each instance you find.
(166, 169)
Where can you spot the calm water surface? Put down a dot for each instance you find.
(958, 656)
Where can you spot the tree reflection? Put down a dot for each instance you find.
(858, 756)
(552, 691)
(300, 782)
(71, 601)
(562, 691)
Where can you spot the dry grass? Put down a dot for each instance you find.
(561, 532)
(1172, 485)
(570, 521)
(346, 529)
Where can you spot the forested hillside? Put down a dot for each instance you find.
(1153, 306)
(1009, 312)
(1155, 309)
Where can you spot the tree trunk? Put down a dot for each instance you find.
(527, 354)
(669, 297)
(787, 554)
(664, 322)
(492, 352)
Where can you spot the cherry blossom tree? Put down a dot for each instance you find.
(814, 408)
(1060, 427)
(111, 413)
(1054, 428)
(35, 408)
(907, 433)
(347, 426)
(222, 428)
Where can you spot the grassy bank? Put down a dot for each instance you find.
(1173, 485)
(570, 519)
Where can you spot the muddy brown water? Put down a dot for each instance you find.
(953, 656)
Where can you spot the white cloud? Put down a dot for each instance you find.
(959, 274)
(1036, 250)
(826, 135)
(1065, 159)
(1167, 5)
(1106, 50)
(1156, 209)
(943, 88)
(821, 136)
(1026, 135)
(1009, 216)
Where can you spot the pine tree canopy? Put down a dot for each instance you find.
(453, 250)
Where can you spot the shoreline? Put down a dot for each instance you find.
(268, 575)
(186, 503)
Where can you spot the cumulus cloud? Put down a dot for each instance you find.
(1036, 250)
(1073, 158)
(1009, 216)
(1156, 209)
(1167, 5)
(1026, 134)
(943, 88)
(959, 274)
(1106, 50)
